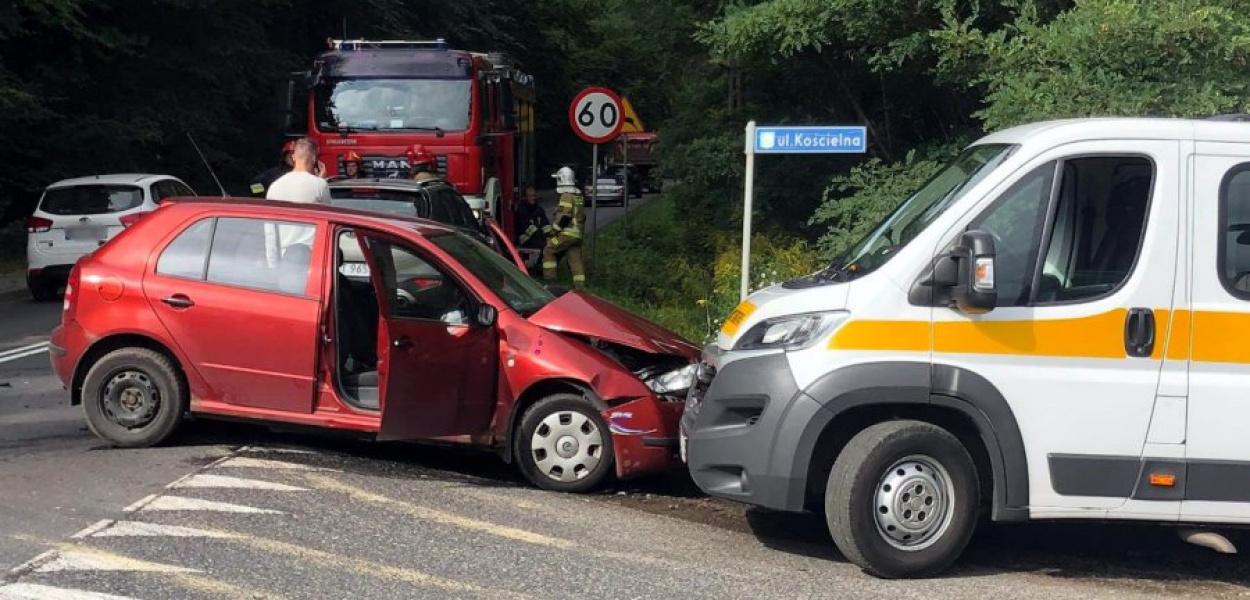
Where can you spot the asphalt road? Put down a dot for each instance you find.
(236, 511)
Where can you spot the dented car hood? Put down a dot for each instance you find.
(582, 314)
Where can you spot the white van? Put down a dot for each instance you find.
(1057, 326)
(76, 216)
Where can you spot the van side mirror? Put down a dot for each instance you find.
(962, 278)
(487, 315)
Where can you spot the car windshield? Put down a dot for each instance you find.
(523, 294)
(392, 104)
(916, 213)
(383, 201)
(91, 199)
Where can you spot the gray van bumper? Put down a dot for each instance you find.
(748, 433)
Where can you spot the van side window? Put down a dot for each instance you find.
(1099, 218)
(261, 254)
(1234, 245)
(185, 256)
(1015, 220)
(415, 289)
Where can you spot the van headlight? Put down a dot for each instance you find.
(791, 332)
(673, 383)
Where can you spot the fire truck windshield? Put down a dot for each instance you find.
(392, 104)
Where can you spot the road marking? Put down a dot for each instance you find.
(36, 346)
(370, 568)
(326, 483)
(32, 563)
(32, 591)
(95, 528)
(205, 480)
(72, 558)
(21, 353)
(243, 462)
(140, 503)
(137, 529)
(169, 503)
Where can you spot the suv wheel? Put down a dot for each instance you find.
(563, 444)
(40, 288)
(134, 397)
(902, 499)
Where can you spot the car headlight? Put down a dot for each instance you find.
(673, 383)
(791, 332)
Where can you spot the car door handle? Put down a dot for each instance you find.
(178, 301)
(402, 342)
(1139, 332)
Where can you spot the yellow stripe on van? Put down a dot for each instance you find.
(901, 336)
(736, 318)
(1178, 341)
(1221, 337)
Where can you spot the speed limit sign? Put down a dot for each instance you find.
(596, 115)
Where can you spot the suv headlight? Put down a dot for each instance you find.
(791, 332)
(675, 382)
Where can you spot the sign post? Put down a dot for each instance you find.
(596, 116)
(789, 140)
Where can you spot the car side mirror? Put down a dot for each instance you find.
(975, 293)
(487, 315)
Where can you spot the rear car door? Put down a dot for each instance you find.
(437, 369)
(240, 298)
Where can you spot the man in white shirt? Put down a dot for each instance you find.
(301, 184)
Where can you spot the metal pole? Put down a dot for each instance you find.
(594, 202)
(625, 158)
(748, 193)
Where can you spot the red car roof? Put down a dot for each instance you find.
(277, 207)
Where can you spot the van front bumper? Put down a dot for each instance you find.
(750, 434)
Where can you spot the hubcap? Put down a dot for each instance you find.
(130, 399)
(567, 446)
(913, 503)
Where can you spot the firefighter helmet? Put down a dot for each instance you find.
(565, 179)
(352, 157)
(288, 148)
(418, 155)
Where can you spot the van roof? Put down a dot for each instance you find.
(111, 179)
(1062, 130)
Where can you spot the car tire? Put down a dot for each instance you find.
(134, 397)
(563, 444)
(902, 499)
(41, 290)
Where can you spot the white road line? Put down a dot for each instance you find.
(243, 462)
(263, 449)
(13, 357)
(37, 346)
(140, 503)
(205, 480)
(75, 560)
(165, 503)
(32, 591)
(137, 529)
(30, 564)
(93, 529)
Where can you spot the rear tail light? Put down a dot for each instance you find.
(38, 225)
(132, 218)
(72, 287)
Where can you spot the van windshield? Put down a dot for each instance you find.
(913, 215)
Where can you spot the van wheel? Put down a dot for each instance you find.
(902, 499)
(134, 397)
(40, 289)
(563, 444)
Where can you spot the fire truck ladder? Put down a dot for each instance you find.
(438, 44)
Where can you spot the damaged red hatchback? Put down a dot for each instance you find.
(348, 320)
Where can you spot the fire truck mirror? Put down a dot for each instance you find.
(293, 117)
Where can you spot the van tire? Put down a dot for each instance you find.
(136, 377)
(867, 493)
(529, 440)
(40, 289)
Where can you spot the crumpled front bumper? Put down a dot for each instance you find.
(644, 435)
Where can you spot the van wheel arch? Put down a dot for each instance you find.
(535, 392)
(105, 345)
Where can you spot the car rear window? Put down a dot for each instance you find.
(386, 201)
(91, 199)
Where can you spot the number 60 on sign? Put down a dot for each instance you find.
(595, 115)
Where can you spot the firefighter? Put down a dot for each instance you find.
(260, 184)
(421, 163)
(566, 226)
(351, 166)
(531, 219)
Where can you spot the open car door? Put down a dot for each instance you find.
(437, 368)
(506, 248)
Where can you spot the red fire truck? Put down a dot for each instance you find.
(474, 111)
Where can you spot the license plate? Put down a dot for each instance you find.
(354, 269)
(86, 233)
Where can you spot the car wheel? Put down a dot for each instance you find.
(563, 444)
(902, 499)
(134, 397)
(41, 290)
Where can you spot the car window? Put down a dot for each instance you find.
(185, 256)
(182, 189)
(1015, 221)
(394, 202)
(439, 209)
(261, 254)
(414, 288)
(461, 214)
(91, 199)
(1234, 244)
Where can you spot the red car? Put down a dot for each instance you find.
(347, 320)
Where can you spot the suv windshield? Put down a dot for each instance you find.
(523, 294)
(392, 104)
(914, 215)
(91, 199)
